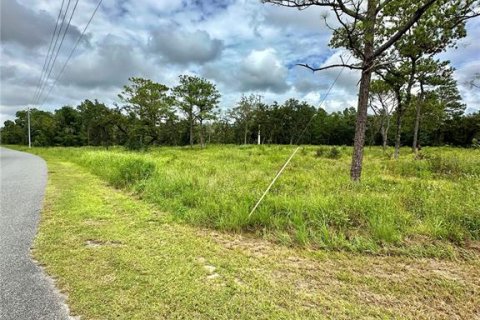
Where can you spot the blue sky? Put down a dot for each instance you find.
(243, 46)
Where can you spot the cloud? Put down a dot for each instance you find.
(310, 19)
(263, 70)
(183, 47)
(24, 26)
(111, 63)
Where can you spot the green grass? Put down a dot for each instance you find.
(426, 206)
(118, 257)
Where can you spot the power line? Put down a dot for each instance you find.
(279, 173)
(72, 52)
(52, 52)
(48, 52)
(59, 47)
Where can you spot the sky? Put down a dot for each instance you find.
(243, 46)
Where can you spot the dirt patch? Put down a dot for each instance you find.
(417, 288)
(91, 243)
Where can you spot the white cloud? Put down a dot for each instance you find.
(183, 47)
(263, 70)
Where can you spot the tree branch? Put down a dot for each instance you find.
(414, 18)
(303, 4)
(350, 32)
(351, 13)
(383, 5)
(349, 66)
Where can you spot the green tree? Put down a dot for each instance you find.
(382, 102)
(97, 123)
(436, 76)
(197, 98)
(244, 113)
(148, 108)
(12, 133)
(68, 126)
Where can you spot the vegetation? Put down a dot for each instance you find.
(400, 207)
(116, 257)
(392, 36)
(140, 126)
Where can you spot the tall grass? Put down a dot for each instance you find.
(313, 202)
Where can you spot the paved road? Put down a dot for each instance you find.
(25, 291)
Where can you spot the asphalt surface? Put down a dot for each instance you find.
(25, 291)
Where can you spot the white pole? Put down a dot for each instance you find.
(258, 137)
(29, 134)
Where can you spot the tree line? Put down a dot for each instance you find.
(152, 114)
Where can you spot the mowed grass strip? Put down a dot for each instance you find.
(117, 257)
(425, 207)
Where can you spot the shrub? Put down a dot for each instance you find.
(334, 153)
(330, 153)
(320, 152)
(475, 143)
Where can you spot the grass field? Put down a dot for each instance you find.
(118, 257)
(424, 207)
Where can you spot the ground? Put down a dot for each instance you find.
(119, 257)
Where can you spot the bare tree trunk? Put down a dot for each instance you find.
(191, 131)
(360, 126)
(363, 92)
(415, 129)
(202, 138)
(245, 134)
(385, 134)
(398, 134)
(384, 139)
(401, 107)
(417, 120)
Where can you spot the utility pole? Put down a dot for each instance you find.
(259, 141)
(29, 134)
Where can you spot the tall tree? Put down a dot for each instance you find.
(148, 107)
(431, 75)
(368, 30)
(97, 122)
(68, 127)
(197, 98)
(382, 102)
(244, 112)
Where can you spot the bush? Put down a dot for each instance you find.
(475, 143)
(334, 153)
(320, 152)
(330, 153)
